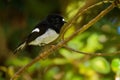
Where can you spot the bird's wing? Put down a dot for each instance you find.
(38, 31)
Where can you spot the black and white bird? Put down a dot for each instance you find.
(44, 33)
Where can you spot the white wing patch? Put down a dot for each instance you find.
(46, 38)
(36, 30)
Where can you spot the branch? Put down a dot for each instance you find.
(79, 13)
(92, 54)
(60, 44)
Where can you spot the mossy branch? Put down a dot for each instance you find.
(61, 43)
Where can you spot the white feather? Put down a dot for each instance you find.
(36, 30)
(46, 38)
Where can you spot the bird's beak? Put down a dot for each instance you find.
(65, 22)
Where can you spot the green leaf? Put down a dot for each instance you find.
(18, 61)
(115, 64)
(93, 43)
(101, 65)
(49, 75)
(59, 61)
(70, 55)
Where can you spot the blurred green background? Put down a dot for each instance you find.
(19, 17)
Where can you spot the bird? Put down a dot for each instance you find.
(44, 32)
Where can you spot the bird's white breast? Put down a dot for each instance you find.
(46, 38)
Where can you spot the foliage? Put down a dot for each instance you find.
(17, 18)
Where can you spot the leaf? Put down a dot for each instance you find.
(101, 65)
(115, 64)
(59, 61)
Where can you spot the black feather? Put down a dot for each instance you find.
(53, 22)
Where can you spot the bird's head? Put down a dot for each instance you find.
(56, 21)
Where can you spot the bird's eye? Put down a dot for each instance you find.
(63, 20)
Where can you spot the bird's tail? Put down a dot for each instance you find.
(20, 47)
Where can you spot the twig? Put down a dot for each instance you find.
(60, 44)
(92, 54)
(79, 13)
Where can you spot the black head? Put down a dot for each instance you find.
(55, 21)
